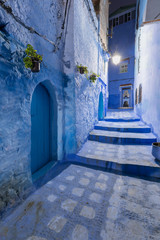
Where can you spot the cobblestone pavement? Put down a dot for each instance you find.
(87, 204)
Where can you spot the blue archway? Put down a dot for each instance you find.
(100, 107)
(43, 126)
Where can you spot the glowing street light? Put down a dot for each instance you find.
(116, 59)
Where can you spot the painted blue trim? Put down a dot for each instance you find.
(129, 169)
(132, 130)
(122, 141)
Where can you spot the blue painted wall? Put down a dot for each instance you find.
(148, 38)
(74, 100)
(123, 43)
(17, 85)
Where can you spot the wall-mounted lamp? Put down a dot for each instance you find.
(116, 59)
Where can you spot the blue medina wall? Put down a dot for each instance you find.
(73, 100)
(17, 86)
(122, 43)
(147, 68)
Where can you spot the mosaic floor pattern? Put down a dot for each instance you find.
(86, 204)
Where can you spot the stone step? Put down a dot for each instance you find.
(122, 137)
(135, 127)
(128, 159)
(110, 119)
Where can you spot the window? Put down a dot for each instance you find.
(116, 21)
(125, 17)
(140, 93)
(110, 23)
(128, 16)
(121, 20)
(152, 10)
(134, 14)
(124, 68)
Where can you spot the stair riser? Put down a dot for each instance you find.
(123, 141)
(121, 120)
(141, 171)
(131, 130)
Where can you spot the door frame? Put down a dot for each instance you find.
(121, 93)
(53, 119)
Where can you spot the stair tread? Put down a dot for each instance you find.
(121, 115)
(122, 124)
(122, 154)
(122, 134)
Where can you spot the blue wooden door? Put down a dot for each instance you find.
(100, 107)
(126, 97)
(40, 133)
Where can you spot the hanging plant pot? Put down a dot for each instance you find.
(156, 150)
(33, 59)
(82, 69)
(93, 77)
(36, 66)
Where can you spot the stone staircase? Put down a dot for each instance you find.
(121, 142)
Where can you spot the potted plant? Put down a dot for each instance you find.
(156, 150)
(33, 59)
(82, 69)
(93, 77)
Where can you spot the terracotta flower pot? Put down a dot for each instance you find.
(36, 66)
(156, 150)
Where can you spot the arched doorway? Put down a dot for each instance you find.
(40, 128)
(100, 107)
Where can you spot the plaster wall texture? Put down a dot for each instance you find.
(149, 74)
(88, 52)
(17, 86)
(75, 99)
(123, 44)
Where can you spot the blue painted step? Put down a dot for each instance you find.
(124, 138)
(134, 127)
(130, 159)
(121, 119)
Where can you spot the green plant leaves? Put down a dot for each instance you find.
(31, 56)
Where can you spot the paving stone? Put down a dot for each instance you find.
(84, 181)
(95, 197)
(89, 174)
(78, 192)
(112, 213)
(51, 198)
(62, 187)
(70, 178)
(153, 188)
(57, 223)
(69, 205)
(87, 212)
(101, 186)
(155, 199)
(80, 233)
(103, 177)
(36, 238)
(128, 210)
(136, 228)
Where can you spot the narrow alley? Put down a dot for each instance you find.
(79, 120)
(82, 203)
